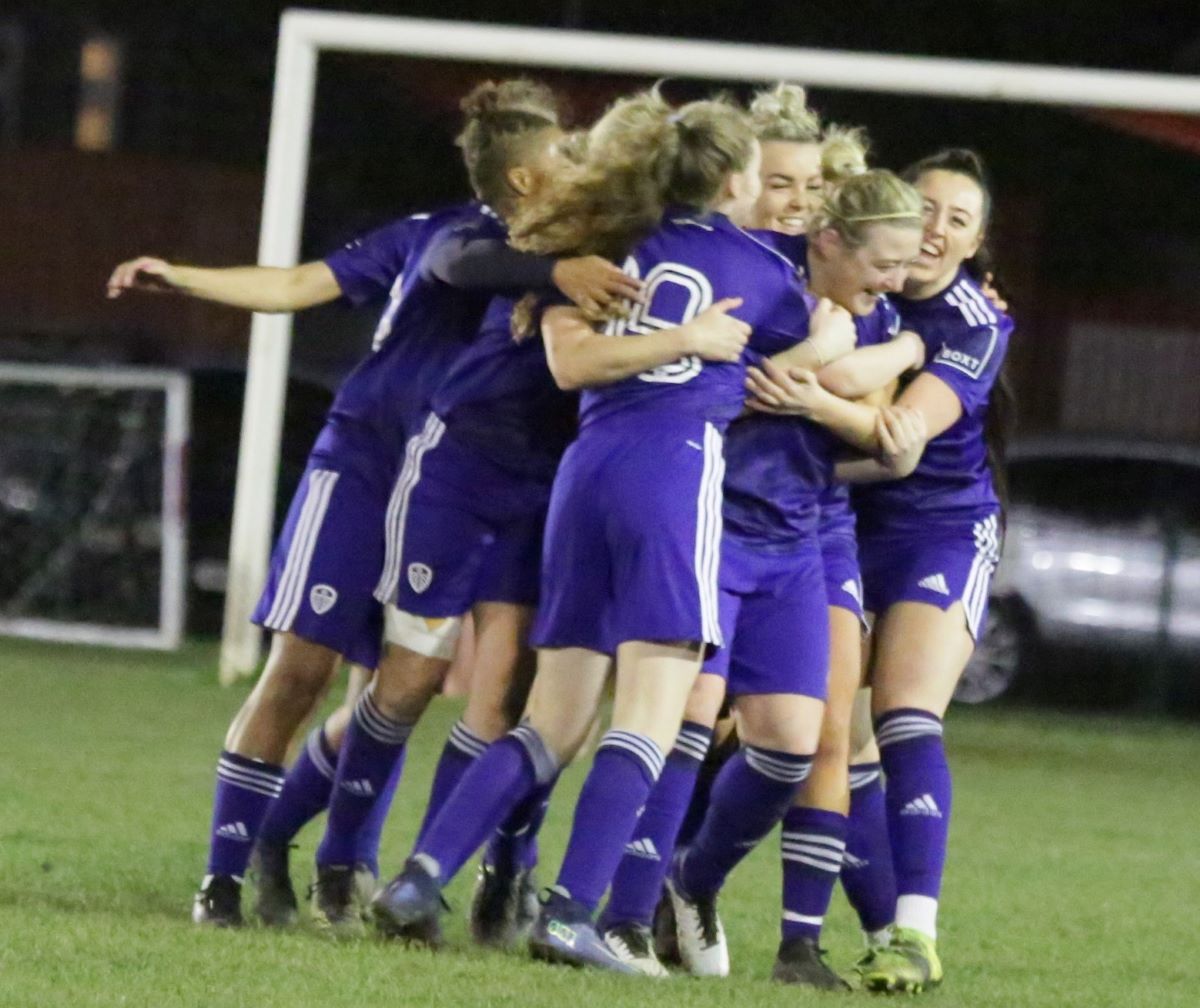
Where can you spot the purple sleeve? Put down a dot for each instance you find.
(366, 267)
(969, 361)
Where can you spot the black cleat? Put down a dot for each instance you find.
(503, 906)
(410, 907)
(219, 902)
(801, 961)
(275, 898)
(336, 907)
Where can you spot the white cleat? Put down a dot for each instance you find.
(633, 944)
(702, 945)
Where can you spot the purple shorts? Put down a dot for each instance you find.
(775, 619)
(328, 556)
(460, 529)
(633, 537)
(940, 565)
(843, 580)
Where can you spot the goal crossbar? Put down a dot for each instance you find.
(304, 34)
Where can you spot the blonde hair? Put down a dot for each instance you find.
(500, 121)
(844, 152)
(641, 156)
(782, 113)
(874, 197)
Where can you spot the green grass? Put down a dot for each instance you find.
(1074, 876)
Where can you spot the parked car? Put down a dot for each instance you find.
(1101, 553)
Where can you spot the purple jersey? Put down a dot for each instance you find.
(372, 266)
(778, 468)
(431, 323)
(965, 337)
(500, 398)
(837, 516)
(690, 262)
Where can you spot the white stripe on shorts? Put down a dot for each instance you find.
(289, 593)
(708, 534)
(979, 578)
(397, 511)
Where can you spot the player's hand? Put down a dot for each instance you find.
(902, 434)
(715, 335)
(991, 293)
(831, 331)
(795, 392)
(916, 345)
(144, 273)
(595, 285)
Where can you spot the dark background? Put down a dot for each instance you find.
(1097, 230)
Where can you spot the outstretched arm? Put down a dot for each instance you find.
(257, 288)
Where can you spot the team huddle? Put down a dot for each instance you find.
(693, 402)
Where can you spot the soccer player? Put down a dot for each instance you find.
(774, 591)
(319, 600)
(928, 545)
(632, 540)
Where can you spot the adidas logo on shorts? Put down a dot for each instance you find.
(924, 805)
(935, 583)
(359, 788)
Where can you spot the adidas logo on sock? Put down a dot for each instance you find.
(234, 831)
(924, 805)
(643, 848)
(359, 788)
(850, 861)
(935, 583)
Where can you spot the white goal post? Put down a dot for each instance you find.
(304, 34)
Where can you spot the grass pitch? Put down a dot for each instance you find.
(1074, 875)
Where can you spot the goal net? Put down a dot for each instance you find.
(92, 504)
(307, 35)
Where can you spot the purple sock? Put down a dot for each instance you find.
(366, 847)
(491, 788)
(513, 846)
(812, 844)
(305, 791)
(714, 761)
(245, 790)
(751, 794)
(867, 874)
(639, 878)
(918, 797)
(373, 745)
(625, 768)
(462, 748)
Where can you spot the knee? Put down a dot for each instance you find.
(834, 743)
(705, 700)
(298, 677)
